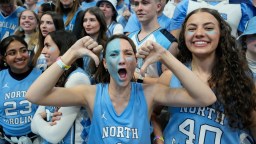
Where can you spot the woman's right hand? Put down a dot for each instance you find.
(85, 46)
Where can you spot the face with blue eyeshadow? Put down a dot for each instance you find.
(202, 34)
(120, 61)
(50, 50)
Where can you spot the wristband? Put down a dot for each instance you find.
(62, 65)
(158, 137)
(140, 79)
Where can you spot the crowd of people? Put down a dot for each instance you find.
(128, 71)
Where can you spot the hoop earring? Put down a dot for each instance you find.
(5, 64)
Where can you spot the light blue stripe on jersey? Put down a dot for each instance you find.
(200, 125)
(16, 112)
(159, 36)
(129, 127)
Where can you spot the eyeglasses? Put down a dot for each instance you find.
(22, 50)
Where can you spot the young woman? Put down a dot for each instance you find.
(28, 29)
(120, 109)
(209, 50)
(109, 9)
(16, 112)
(69, 129)
(92, 24)
(248, 41)
(49, 21)
(68, 9)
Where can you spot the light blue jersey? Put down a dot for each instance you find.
(162, 37)
(235, 14)
(111, 28)
(8, 24)
(86, 5)
(16, 112)
(80, 129)
(133, 23)
(129, 127)
(201, 125)
(71, 24)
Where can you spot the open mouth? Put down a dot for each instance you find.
(122, 73)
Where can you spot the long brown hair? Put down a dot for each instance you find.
(231, 78)
(59, 9)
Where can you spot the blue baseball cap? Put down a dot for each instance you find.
(250, 28)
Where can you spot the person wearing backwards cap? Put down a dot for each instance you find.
(109, 9)
(248, 42)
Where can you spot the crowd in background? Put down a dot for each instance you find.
(215, 39)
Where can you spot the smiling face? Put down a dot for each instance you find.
(91, 25)
(46, 25)
(50, 50)
(17, 57)
(28, 21)
(120, 61)
(202, 34)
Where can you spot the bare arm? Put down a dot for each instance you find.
(196, 92)
(43, 92)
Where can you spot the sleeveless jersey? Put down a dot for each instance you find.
(130, 127)
(162, 37)
(8, 24)
(16, 112)
(231, 13)
(200, 125)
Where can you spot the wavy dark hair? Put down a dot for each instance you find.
(80, 32)
(64, 40)
(102, 75)
(58, 24)
(230, 80)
